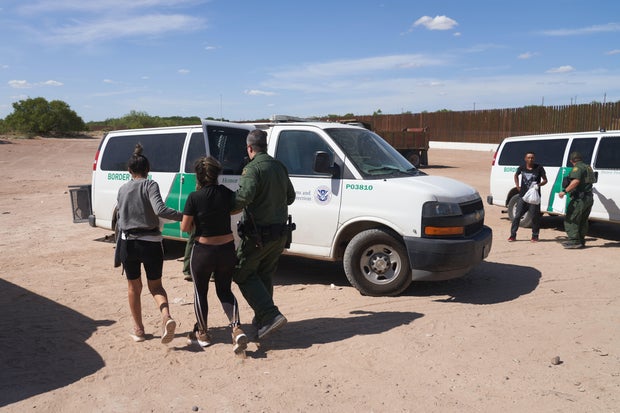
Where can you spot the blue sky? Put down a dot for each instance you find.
(246, 60)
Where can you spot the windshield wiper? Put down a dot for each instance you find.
(384, 169)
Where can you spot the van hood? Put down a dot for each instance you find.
(438, 188)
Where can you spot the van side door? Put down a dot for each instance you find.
(185, 181)
(318, 195)
(226, 141)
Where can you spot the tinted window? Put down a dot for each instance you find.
(229, 147)
(195, 151)
(608, 156)
(296, 150)
(162, 150)
(585, 147)
(549, 152)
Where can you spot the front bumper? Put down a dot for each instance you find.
(442, 259)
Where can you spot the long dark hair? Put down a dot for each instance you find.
(207, 171)
(138, 164)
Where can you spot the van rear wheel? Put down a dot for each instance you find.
(377, 264)
(526, 220)
(414, 158)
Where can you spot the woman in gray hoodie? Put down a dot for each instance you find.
(140, 242)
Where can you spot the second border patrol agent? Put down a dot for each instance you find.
(578, 210)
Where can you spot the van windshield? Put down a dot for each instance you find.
(371, 155)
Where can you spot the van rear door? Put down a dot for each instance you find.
(606, 190)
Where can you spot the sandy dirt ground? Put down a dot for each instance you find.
(484, 342)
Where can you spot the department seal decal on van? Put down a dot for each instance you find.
(322, 195)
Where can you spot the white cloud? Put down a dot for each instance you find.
(19, 84)
(561, 69)
(115, 28)
(24, 84)
(254, 92)
(526, 55)
(46, 6)
(183, 71)
(347, 68)
(613, 52)
(435, 23)
(603, 28)
(4, 66)
(210, 48)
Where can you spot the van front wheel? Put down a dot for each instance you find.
(377, 264)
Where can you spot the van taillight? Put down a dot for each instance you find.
(494, 156)
(95, 161)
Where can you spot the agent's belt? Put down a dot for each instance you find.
(581, 195)
(141, 231)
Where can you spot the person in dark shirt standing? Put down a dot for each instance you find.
(531, 173)
(207, 213)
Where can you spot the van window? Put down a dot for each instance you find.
(585, 147)
(296, 150)
(549, 152)
(163, 151)
(228, 145)
(608, 153)
(195, 151)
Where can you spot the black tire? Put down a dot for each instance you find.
(526, 220)
(414, 158)
(377, 264)
(424, 160)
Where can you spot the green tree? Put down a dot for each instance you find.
(40, 116)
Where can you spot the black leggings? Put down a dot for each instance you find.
(220, 260)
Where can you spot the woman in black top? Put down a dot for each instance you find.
(207, 210)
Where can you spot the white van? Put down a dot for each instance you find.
(600, 149)
(358, 200)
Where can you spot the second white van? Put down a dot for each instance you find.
(600, 149)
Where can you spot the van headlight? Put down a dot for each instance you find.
(442, 219)
(440, 209)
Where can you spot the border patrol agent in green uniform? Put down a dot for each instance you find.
(578, 210)
(264, 193)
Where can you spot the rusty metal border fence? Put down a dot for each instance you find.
(491, 126)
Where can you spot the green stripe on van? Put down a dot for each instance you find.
(181, 187)
(557, 186)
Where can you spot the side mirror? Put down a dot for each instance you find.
(322, 163)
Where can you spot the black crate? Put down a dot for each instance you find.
(80, 202)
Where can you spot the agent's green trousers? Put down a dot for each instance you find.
(188, 254)
(576, 219)
(254, 276)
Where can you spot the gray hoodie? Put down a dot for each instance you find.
(140, 204)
